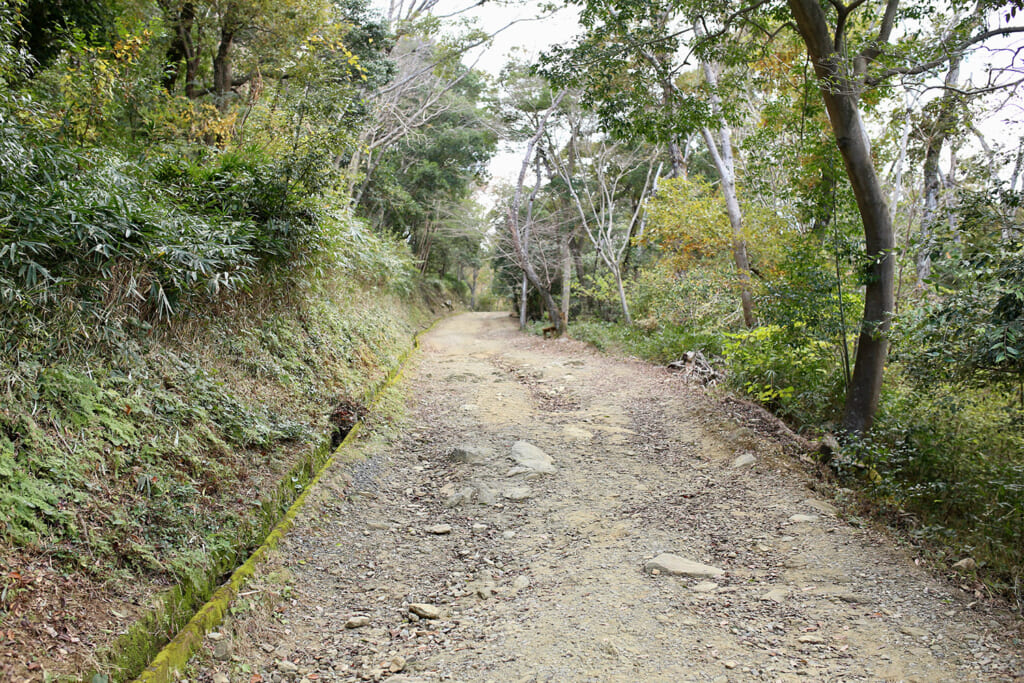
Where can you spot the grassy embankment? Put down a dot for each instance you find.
(136, 478)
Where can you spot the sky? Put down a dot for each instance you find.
(521, 34)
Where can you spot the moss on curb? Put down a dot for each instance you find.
(134, 650)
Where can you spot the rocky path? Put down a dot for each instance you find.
(509, 528)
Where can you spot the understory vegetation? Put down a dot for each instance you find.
(682, 190)
(198, 290)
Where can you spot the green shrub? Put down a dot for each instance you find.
(952, 456)
(797, 376)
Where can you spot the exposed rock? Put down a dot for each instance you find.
(357, 622)
(744, 460)
(425, 611)
(811, 639)
(913, 632)
(439, 529)
(396, 664)
(705, 587)
(470, 455)
(222, 650)
(487, 496)
(516, 493)
(532, 458)
(821, 506)
(463, 496)
(775, 595)
(576, 433)
(674, 565)
(803, 519)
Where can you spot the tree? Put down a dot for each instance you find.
(629, 64)
(519, 225)
(845, 71)
(598, 197)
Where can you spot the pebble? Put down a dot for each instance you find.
(425, 611)
(287, 666)
(811, 640)
(674, 565)
(267, 647)
(967, 564)
(357, 622)
(520, 582)
(221, 678)
(440, 529)
(705, 587)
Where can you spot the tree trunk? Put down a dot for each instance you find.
(522, 302)
(944, 121)
(512, 219)
(222, 67)
(622, 296)
(727, 176)
(726, 167)
(840, 95)
(566, 276)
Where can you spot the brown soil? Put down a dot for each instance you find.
(552, 587)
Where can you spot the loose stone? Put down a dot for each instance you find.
(674, 565)
(532, 458)
(425, 611)
(803, 519)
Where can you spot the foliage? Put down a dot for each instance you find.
(797, 376)
(950, 456)
(687, 222)
(130, 459)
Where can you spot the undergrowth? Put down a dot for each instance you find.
(946, 459)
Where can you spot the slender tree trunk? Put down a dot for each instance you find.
(566, 277)
(727, 177)
(941, 128)
(726, 167)
(472, 291)
(840, 96)
(513, 218)
(522, 302)
(622, 296)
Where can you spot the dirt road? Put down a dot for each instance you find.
(504, 529)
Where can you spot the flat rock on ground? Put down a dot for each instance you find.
(546, 581)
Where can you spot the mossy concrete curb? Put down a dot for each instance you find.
(176, 654)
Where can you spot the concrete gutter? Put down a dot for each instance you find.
(176, 654)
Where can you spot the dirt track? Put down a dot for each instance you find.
(540, 575)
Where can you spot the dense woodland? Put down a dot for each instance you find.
(821, 198)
